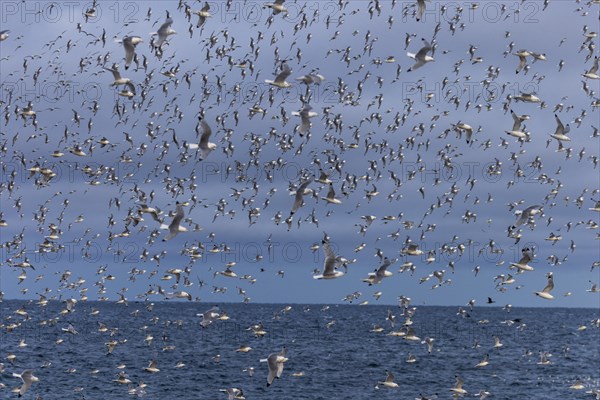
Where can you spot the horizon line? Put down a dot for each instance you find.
(166, 301)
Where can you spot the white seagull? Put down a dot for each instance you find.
(528, 98)
(209, 316)
(233, 393)
(561, 131)
(516, 129)
(330, 198)
(275, 363)
(202, 15)
(330, 263)
(205, 146)
(545, 293)
(163, 33)
(526, 214)
(129, 43)
(421, 57)
(175, 227)
(298, 197)
(389, 381)
(277, 7)
(28, 378)
(413, 250)
(458, 387)
(522, 54)
(523, 263)
(380, 273)
(119, 80)
(280, 80)
(305, 115)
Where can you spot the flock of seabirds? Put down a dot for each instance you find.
(26, 141)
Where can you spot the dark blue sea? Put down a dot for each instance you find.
(332, 349)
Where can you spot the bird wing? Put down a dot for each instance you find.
(299, 195)
(549, 286)
(115, 72)
(390, 377)
(283, 75)
(206, 132)
(594, 69)
(381, 271)
(331, 192)
(522, 62)
(129, 50)
(174, 226)
(164, 28)
(315, 78)
(525, 259)
(131, 87)
(417, 65)
(517, 121)
(27, 381)
(459, 383)
(560, 128)
(323, 176)
(424, 50)
(522, 219)
(420, 9)
(528, 210)
(329, 265)
(272, 364)
(304, 122)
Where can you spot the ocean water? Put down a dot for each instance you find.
(334, 348)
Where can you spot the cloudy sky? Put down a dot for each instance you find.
(54, 59)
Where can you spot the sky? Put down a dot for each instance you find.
(64, 75)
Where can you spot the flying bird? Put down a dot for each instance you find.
(203, 14)
(561, 131)
(329, 266)
(275, 364)
(421, 57)
(130, 43)
(280, 81)
(277, 7)
(545, 293)
(28, 378)
(163, 33)
(175, 226)
(526, 215)
(299, 196)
